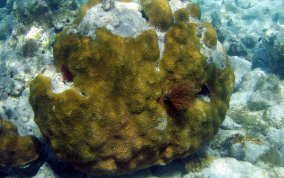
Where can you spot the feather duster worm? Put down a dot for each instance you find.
(178, 96)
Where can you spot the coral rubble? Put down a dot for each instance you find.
(132, 107)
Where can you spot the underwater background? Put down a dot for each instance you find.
(249, 142)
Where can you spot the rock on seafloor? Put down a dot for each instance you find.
(250, 141)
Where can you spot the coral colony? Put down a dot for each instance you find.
(116, 126)
(134, 104)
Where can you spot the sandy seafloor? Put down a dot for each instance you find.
(250, 142)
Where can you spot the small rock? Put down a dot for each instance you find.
(267, 93)
(249, 41)
(237, 49)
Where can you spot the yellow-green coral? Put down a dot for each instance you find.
(122, 116)
(182, 15)
(159, 13)
(194, 10)
(16, 150)
(210, 35)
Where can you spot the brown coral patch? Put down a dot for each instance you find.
(16, 150)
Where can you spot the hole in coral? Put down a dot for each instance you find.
(170, 72)
(58, 30)
(144, 15)
(67, 75)
(204, 94)
(82, 93)
(167, 100)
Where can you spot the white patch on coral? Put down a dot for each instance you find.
(204, 98)
(163, 122)
(215, 55)
(161, 44)
(125, 19)
(58, 84)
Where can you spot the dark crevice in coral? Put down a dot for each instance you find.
(67, 75)
(204, 93)
(28, 170)
(58, 30)
(144, 15)
(176, 165)
(63, 169)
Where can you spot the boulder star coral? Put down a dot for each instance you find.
(111, 123)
